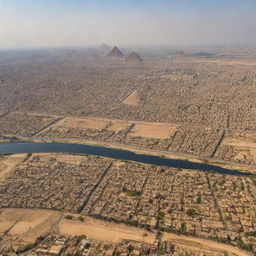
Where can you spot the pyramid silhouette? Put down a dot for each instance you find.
(134, 58)
(115, 53)
(181, 54)
(105, 47)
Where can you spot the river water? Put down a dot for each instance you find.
(54, 147)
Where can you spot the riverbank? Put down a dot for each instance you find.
(120, 154)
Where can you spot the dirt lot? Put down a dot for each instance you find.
(118, 125)
(112, 232)
(153, 130)
(204, 244)
(142, 129)
(27, 224)
(65, 158)
(243, 147)
(7, 163)
(83, 123)
(106, 231)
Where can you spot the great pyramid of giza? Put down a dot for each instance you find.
(115, 53)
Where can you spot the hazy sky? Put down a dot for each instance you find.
(36, 23)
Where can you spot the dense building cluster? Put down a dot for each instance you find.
(47, 183)
(206, 92)
(190, 202)
(23, 124)
(62, 245)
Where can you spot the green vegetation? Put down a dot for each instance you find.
(131, 193)
(81, 218)
(191, 212)
(25, 248)
(199, 199)
(250, 233)
(221, 240)
(234, 185)
(241, 244)
(161, 215)
(79, 209)
(183, 227)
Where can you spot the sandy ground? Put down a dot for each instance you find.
(4, 140)
(244, 147)
(150, 130)
(143, 129)
(114, 233)
(63, 158)
(239, 143)
(133, 99)
(105, 231)
(27, 224)
(173, 77)
(118, 125)
(8, 163)
(204, 244)
(69, 159)
(221, 61)
(36, 114)
(82, 123)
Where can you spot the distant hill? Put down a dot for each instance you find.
(202, 55)
(134, 58)
(115, 53)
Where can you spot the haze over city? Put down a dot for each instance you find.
(45, 23)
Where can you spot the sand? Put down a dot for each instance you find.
(27, 224)
(204, 244)
(153, 130)
(82, 123)
(114, 233)
(70, 159)
(244, 148)
(105, 231)
(8, 163)
(117, 125)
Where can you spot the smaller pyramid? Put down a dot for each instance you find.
(115, 53)
(181, 54)
(134, 58)
(105, 47)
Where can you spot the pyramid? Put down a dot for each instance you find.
(134, 58)
(181, 54)
(115, 53)
(104, 47)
